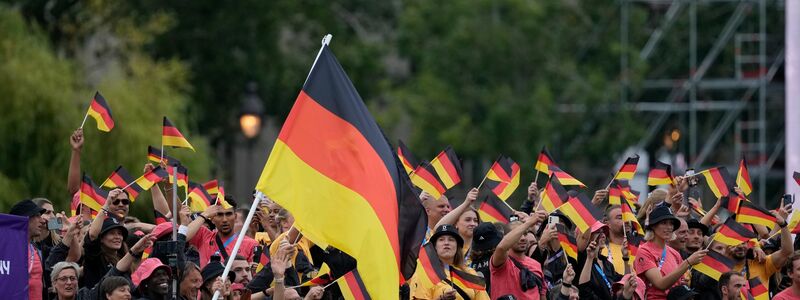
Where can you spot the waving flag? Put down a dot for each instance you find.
(425, 178)
(554, 195)
(101, 113)
(172, 137)
(330, 142)
(752, 214)
(731, 202)
(448, 167)
(407, 158)
(564, 178)
(430, 271)
(757, 289)
(503, 177)
(183, 176)
(628, 168)
(468, 281)
(581, 212)
(544, 162)
(567, 241)
(494, 210)
(199, 199)
(155, 156)
(732, 233)
(715, 264)
(660, 174)
(91, 195)
(353, 287)
(212, 187)
(119, 178)
(743, 178)
(718, 181)
(146, 181)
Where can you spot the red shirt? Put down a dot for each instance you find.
(505, 279)
(648, 257)
(35, 273)
(787, 294)
(206, 242)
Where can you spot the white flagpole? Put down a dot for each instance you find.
(325, 41)
(239, 239)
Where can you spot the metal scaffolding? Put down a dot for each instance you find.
(713, 122)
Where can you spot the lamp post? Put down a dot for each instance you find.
(251, 112)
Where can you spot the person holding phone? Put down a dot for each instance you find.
(598, 274)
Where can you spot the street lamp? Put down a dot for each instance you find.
(251, 112)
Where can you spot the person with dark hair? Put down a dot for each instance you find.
(510, 266)
(793, 291)
(598, 274)
(696, 234)
(115, 288)
(36, 228)
(614, 240)
(104, 245)
(241, 268)
(221, 240)
(485, 239)
(152, 280)
(191, 281)
(465, 219)
(730, 284)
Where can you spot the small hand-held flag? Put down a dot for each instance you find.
(172, 137)
(715, 264)
(567, 241)
(543, 163)
(660, 174)
(718, 180)
(407, 158)
(564, 178)
(91, 195)
(554, 195)
(732, 233)
(100, 112)
(425, 178)
(448, 167)
(743, 178)
(752, 214)
(495, 210)
(117, 179)
(628, 169)
(503, 177)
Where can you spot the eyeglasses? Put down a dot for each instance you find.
(124, 201)
(67, 278)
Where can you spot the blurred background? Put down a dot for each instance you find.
(696, 84)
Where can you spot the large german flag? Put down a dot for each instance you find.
(407, 158)
(119, 178)
(567, 242)
(448, 167)
(757, 289)
(554, 195)
(564, 178)
(494, 210)
(715, 264)
(101, 112)
(433, 270)
(544, 161)
(199, 199)
(331, 142)
(718, 181)
(628, 169)
(425, 178)
(353, 286)
(581, 212)
(467, 281)
(91, 195)
(503, 177)
(752, 214)
(661, 173)
(732, 233)
(155, 156)
(743, 178)
(171, 136)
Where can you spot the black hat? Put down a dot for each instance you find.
(214, 269)
(447, 229)
(662, 213)
(26, 208)
(681, 292)
(111, 223)
(485, 237)
(694, 223)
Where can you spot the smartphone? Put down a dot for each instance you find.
(692, 179)
(788, 199)
(552, 221)
(54, 224)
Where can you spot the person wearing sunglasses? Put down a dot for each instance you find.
(105, 244)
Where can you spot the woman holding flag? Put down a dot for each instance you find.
(465, 218)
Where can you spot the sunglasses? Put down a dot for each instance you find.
(123, 201)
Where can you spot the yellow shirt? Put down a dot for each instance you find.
(616, 257)
(422, 288)
(762, 271)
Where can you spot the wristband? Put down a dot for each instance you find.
(626, 258)
(279, 281)
(136, 256)
(202, 216)
(566, 284)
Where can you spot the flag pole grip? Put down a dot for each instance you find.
(84, 118)
(240, 238)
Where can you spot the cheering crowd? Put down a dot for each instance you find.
(679, 252)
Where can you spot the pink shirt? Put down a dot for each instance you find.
(647, 258)
(787, 294)
(505, 279)
(35, 273)
(206, 244)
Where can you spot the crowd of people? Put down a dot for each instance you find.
(110, 254)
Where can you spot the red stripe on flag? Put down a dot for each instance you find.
(493, 212)
(103, 112)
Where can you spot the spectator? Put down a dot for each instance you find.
(679, 242)
(509, 264)
(436, 209)
(36, 228)
(105, 243)
(65, 280)
(793, 291)
(485, 238)
(116, 288)
(221, 240)
(696, 235)
(153, 279)
(730, 285)
(465, 218)
(191, 281)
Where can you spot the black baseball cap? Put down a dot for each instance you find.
(694, 223)
(447, 229)
(485, 237)
(26, 208)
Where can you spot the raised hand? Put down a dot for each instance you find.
(696, 257)
(569, 274)
(472, 195)
(145, 242)
(76, 140)
(599, 195)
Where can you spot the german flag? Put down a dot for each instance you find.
(503, 177)
(324, 277)
(433, 270)
(743, 178)
(544, 161)
(554, 195)
(448, 167)
(794, 223)
(731, 202)
(155, 156)
(465, 280)
(91, 195)
(199, 198)
(752, 214)
(614, 194)
(261, 258)
(660, 174)
(627, 192)
(715, 264)
(718, 181)
(757, 289)
(634, 240)
(329, 141)
(564, 178)
(494, 210)
(171, 136)
(567, 241)
(426, 179)
(119, 178)
(407, 158)
(147, 180)
(220, 199)
(732, 233)
(629, 216)
(183, 176)
(101, 112)
(353, 287)
(581, 212)
(146, 253)
(212, 187)
(744, 294)
(628, 168)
